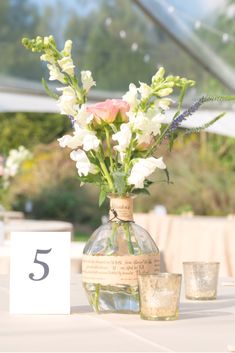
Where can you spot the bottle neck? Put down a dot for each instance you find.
(121, 208)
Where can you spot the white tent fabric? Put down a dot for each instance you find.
(17, 102)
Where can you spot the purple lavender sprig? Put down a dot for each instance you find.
(194, 107)
(180, 118)
(71, 118)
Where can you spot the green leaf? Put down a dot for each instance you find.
(48, 90)
(147, 183)
(119, 179)
(141, 191)
(103, 194)
(91, 178)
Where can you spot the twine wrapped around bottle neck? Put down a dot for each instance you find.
(121, 208)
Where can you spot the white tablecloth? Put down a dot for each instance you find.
(196, 238)
(202, 326)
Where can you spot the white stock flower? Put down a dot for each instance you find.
(87, 80)
(142, 169)
(90, 142)
(81, 137)
(83, 164)
(67, 65)
(47, 57)
(55, 73)
(67, 101)
(145, 125)
(164, 103)
(67, 48)
(83, 117)
(70, 141)
(144, 90)
(131, 96)
(14, 160)
(123, 137)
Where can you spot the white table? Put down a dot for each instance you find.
(202, 326)
(11, 215)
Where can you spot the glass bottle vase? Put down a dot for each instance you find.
(114, 256)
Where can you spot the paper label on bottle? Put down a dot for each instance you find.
(122, 207)
(118, 269)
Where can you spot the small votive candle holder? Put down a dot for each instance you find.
(159, 296)
(201, 280)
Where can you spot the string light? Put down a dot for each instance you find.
(225, 37)
(146, 58)
(122, 34)
(134, 46)
(171, 9)
(108, 21)
(198, 24)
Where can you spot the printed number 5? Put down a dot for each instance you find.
(43, 264)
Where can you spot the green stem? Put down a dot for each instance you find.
(114, 229)
(126, 228)
(106, 173)
(97, 296)
(109, 149)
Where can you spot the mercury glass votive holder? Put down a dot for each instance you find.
(159, 296)
(201, 280)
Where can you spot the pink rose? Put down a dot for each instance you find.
(108, 110)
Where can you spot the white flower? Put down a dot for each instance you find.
(145, 125)
(131, 96)
(158, 75)
(83, 117)
(142, 169)
(81, 137)
(46, 40)
(70, 141)
(67, 48)
(164, 92)
(123, 137)
(67, 101)
(144, 90)
(48, 57)
(55, 73)
(87, 80)
(83, 164)
(164, 103)
(14, 160)
(90, 142)
(67, 65)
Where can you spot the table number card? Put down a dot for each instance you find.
(40, 273)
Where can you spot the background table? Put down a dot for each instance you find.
(188, 238)
(202, 326)
(11, 215)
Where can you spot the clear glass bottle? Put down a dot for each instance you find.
(113, 256)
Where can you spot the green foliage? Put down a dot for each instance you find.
(203, 177)
(30, 129)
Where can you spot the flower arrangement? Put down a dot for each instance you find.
(114, 143)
